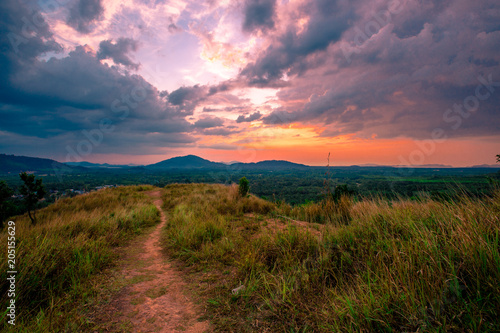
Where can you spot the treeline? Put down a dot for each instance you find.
(292, 186)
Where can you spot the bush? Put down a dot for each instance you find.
(244, 187)
(341, 191)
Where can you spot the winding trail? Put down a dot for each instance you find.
(154, 298)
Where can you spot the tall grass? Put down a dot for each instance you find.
(72, 241)
(206, 232)
(327, 211)
(375, 265)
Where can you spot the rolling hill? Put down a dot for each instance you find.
(15, 164)
(186, 162)
(18, 164)
(101, 165)
(273, 164)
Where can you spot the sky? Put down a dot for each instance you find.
(398, 82)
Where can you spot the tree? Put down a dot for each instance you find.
(243, 187)
(498, 158)
(5, 193)
(33, 191)
(342, 191)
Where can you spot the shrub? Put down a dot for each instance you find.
(244, 187)
(342, 191)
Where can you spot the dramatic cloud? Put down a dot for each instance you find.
(327, 21)
(84, 13)
(219, 146)
(319, 70)
(208, 122)
(250, 118)
(186, 94)
(77, 92)
(118, 51)
(403, 73)
(24, 35)
(63, 102)
(259, 15)
(220, 131)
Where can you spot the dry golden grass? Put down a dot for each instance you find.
(374, 266)
(371, 266)
(72, 241)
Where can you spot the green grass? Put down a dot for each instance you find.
(372, 266)
(57, 258)
(367, 266)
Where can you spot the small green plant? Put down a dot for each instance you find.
(243, 187)
(33, 191)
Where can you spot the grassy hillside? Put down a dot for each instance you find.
(72, 242)
(367, 266)
(345, 266)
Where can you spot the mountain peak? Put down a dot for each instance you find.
(188, 161)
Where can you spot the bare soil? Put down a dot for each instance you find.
(154, 298)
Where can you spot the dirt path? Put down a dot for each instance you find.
(154, 298)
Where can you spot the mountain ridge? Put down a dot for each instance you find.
(16, 164)
(185, 162)
(101, 165)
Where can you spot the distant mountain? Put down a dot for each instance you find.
(195, 162)
(486, 166)
(17, 164)
(438, 166)
(186, 162)
(273, 165)
(103, 165)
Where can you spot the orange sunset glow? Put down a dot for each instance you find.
(250, 166)
(252, 80)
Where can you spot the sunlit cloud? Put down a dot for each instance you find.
(295, 79)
